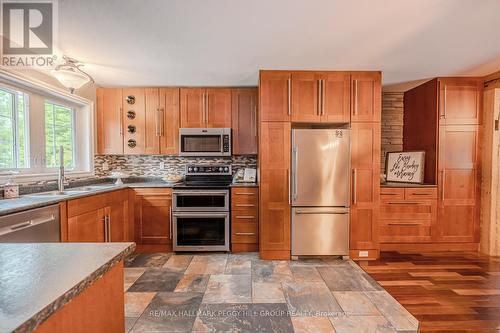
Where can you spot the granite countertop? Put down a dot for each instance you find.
(38, 279)
(30, 201)
(392, 184)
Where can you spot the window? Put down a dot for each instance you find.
(59, 132)
(13, 130)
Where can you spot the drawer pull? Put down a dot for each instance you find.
(404, 203)
(245, 205)
(405, 224)
(390, 193)
(245, 193)
(244, 233)
(420, 193)
(246, 217)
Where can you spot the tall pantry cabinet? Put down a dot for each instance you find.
(298, 98)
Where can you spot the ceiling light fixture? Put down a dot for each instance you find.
(71, 75)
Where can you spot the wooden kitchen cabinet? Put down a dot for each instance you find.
(365, 184)
(153, 121)
(275, 96)
(109, 121)
(153, 213)
(244, 121)
(98, 218)
(366, 97)
(205, 107)
(170, 120)
(244, 219)
(407, 215)
(460, 101)
(305, 96)
(274, 194)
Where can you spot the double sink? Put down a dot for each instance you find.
(72, 191)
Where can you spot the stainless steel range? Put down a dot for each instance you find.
(201, 209)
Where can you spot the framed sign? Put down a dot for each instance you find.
(405, 166)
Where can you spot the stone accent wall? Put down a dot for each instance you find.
(149, 165)
(392, 124)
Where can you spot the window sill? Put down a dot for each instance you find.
(33, 177)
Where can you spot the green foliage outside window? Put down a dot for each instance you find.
(59, 132)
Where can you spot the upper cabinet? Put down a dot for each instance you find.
(137, 120)
(335, 97)
(365, 96)
(109, 121)
(305, 96)
(202, 107)
(244, 121)
(460, 101)
(275, 96)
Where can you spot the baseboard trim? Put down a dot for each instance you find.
(429, 247)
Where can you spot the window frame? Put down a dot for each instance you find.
(15, 119)
(73, 137)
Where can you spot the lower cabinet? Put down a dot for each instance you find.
(407, 215)
(153, 216)
(99, 218)
(244, 219)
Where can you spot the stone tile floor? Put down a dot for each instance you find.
(218, 292)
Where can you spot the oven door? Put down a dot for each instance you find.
(201, 231)
(204, 142)
(200, 200)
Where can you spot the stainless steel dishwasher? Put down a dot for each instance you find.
(37, 225)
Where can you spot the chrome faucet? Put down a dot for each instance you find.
(60, 178)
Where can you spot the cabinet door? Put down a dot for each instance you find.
(169, 108)
(275, 96)
(192, 106)
(459, 184)
(218, 108)
(365, 164)
(244, 121)
(336, 97)
(117, 214)
(87, 227)
(134, 119)
(460, 101)
(305, 97)
(366, 97)
(153, 122)
(274, 190)
(153, 218)
(109, 121)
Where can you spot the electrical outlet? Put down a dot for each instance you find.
(162, 165)
(363, 254)
(105, 166)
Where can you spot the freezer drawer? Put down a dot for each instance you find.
(320, 231)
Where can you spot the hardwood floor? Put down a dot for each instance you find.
(446, 292)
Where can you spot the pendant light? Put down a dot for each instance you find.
(71, 75)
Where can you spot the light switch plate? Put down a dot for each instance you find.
(363, 254)
(162, 165)
(105, 166)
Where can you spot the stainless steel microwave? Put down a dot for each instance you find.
(205, 142)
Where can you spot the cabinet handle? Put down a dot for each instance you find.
(171, 223)
(295, 185)
(355, 97)
(323, 97)
(443, 113)
(404, 203)
(121, 120)
(318, 110)
(388, 193)
(443, 185)
(157, 122)
(289, 191)
(405, 224)
(420, 194)
(255, 120)
(207, 108)
(289, 90)
(203, 108)
(244, 233)
(162, 121)
(244, 205)
(245, 193)
(354, 185)
(245, 217)
(105, 223)
(109, 228)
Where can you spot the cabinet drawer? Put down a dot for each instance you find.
(407, 210)
(391, 193)
(401, 233)
(245, 233)
(245, 216)
(244, 198)
(421, 193)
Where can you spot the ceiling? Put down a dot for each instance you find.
(226, 42)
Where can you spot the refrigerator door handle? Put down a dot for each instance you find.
(295, 172)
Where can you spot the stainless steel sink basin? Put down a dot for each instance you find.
(58, 193)
(95, 187)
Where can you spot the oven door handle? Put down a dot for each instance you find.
(200, 214)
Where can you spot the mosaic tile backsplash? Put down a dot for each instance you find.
(149, 165)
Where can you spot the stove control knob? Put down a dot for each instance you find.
(190, 169)
(226, 169)
(221, 169)
(195, 169)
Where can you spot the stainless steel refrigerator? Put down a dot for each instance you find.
(320, 191)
